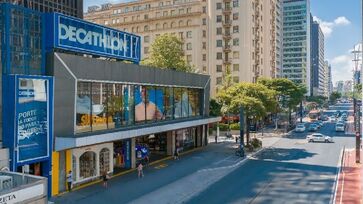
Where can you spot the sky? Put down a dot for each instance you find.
(340, 21)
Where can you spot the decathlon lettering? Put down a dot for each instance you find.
(102, 40)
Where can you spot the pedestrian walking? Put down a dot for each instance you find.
(216, 139)
(236, 139)
(69, 181)
(104, 179)
(146, 160)
(176, 154)
(140, 170)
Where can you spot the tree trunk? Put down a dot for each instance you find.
(248, 130)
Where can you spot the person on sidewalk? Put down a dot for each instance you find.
(176, 154)
(216, 138)
(140, 170)
(236, 140)
(69, 181)
(104, 179)
(146, 160)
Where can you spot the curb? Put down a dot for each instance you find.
(127, 171)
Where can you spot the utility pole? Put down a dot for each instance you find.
(356, 59)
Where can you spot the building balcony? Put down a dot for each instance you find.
(227, 48)
(227, 24)
(227, 1)
(227, 61)
(227, 11)
(227, 36)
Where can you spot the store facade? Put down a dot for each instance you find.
(73, 110)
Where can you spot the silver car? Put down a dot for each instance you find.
(318, 137)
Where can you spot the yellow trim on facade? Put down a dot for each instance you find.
(68, 161)
(55, 173)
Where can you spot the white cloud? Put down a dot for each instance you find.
(328, 27)
(342, 20)
(342, 66)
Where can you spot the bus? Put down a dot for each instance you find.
(314, 115)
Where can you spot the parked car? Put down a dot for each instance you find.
(300, 128)
(318, 137)
(339, 127)
(313, 127)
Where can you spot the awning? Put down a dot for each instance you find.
(62, 143)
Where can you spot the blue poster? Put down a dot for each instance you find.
(32, 119)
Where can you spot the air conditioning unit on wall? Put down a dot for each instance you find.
(6, 182)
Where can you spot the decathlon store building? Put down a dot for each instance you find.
(67, 108)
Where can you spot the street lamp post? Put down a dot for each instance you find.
(356, 110)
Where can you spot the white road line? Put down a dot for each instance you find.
(336, 182)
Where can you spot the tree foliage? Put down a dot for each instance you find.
(334, 96)
(214, 108)
(286, 90)
(166, 52)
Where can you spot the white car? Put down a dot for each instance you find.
(339, 127)
(318, 137)
(300, 128)
(333, 119)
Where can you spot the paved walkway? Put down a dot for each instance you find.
(349, 187)
(167, 182)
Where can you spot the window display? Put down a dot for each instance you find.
(103, 106)
(104, 160)
(87, 165)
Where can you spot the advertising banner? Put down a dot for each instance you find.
(77, 35)
(32, 119)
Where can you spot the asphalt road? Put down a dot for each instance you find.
(292, 171)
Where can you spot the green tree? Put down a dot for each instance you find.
(166, 52)
(334, 96)
(214, 108)
(256, 99)
(288, 94)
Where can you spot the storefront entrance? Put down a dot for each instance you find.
(186, 139)
(121, 155)
(152, 146)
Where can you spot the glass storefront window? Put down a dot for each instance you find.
(168, 103)
(87, 165)
(128, 102)
(99, 106)
(186, 107)
(114, 106)
(192, 101)
(104, 160)
(177, 103)
(140, 106)
(83, 107)
(103, 106)
(159, 102)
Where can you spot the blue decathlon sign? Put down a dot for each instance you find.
(64, 32)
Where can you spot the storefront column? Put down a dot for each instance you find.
(97, 163)
(55, 173)
(133, 153)
(199, 136)
(170, 138)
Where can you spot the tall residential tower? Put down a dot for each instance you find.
(296, 42)
(318, 72)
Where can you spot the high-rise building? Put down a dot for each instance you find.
(328, 84)
(69, 7)
(218, 34)
(296, 41)
(339, 87)
(279, 39)
(318, 74)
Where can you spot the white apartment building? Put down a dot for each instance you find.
(244, 35)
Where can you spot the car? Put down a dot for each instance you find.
(318, 137)
(321, 123)
(313, 127)
(339, 127)
(324, 118)
(317, 124)
(333, 119)
(300, 128)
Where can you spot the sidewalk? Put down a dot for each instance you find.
(170, 181)
(350, 181)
